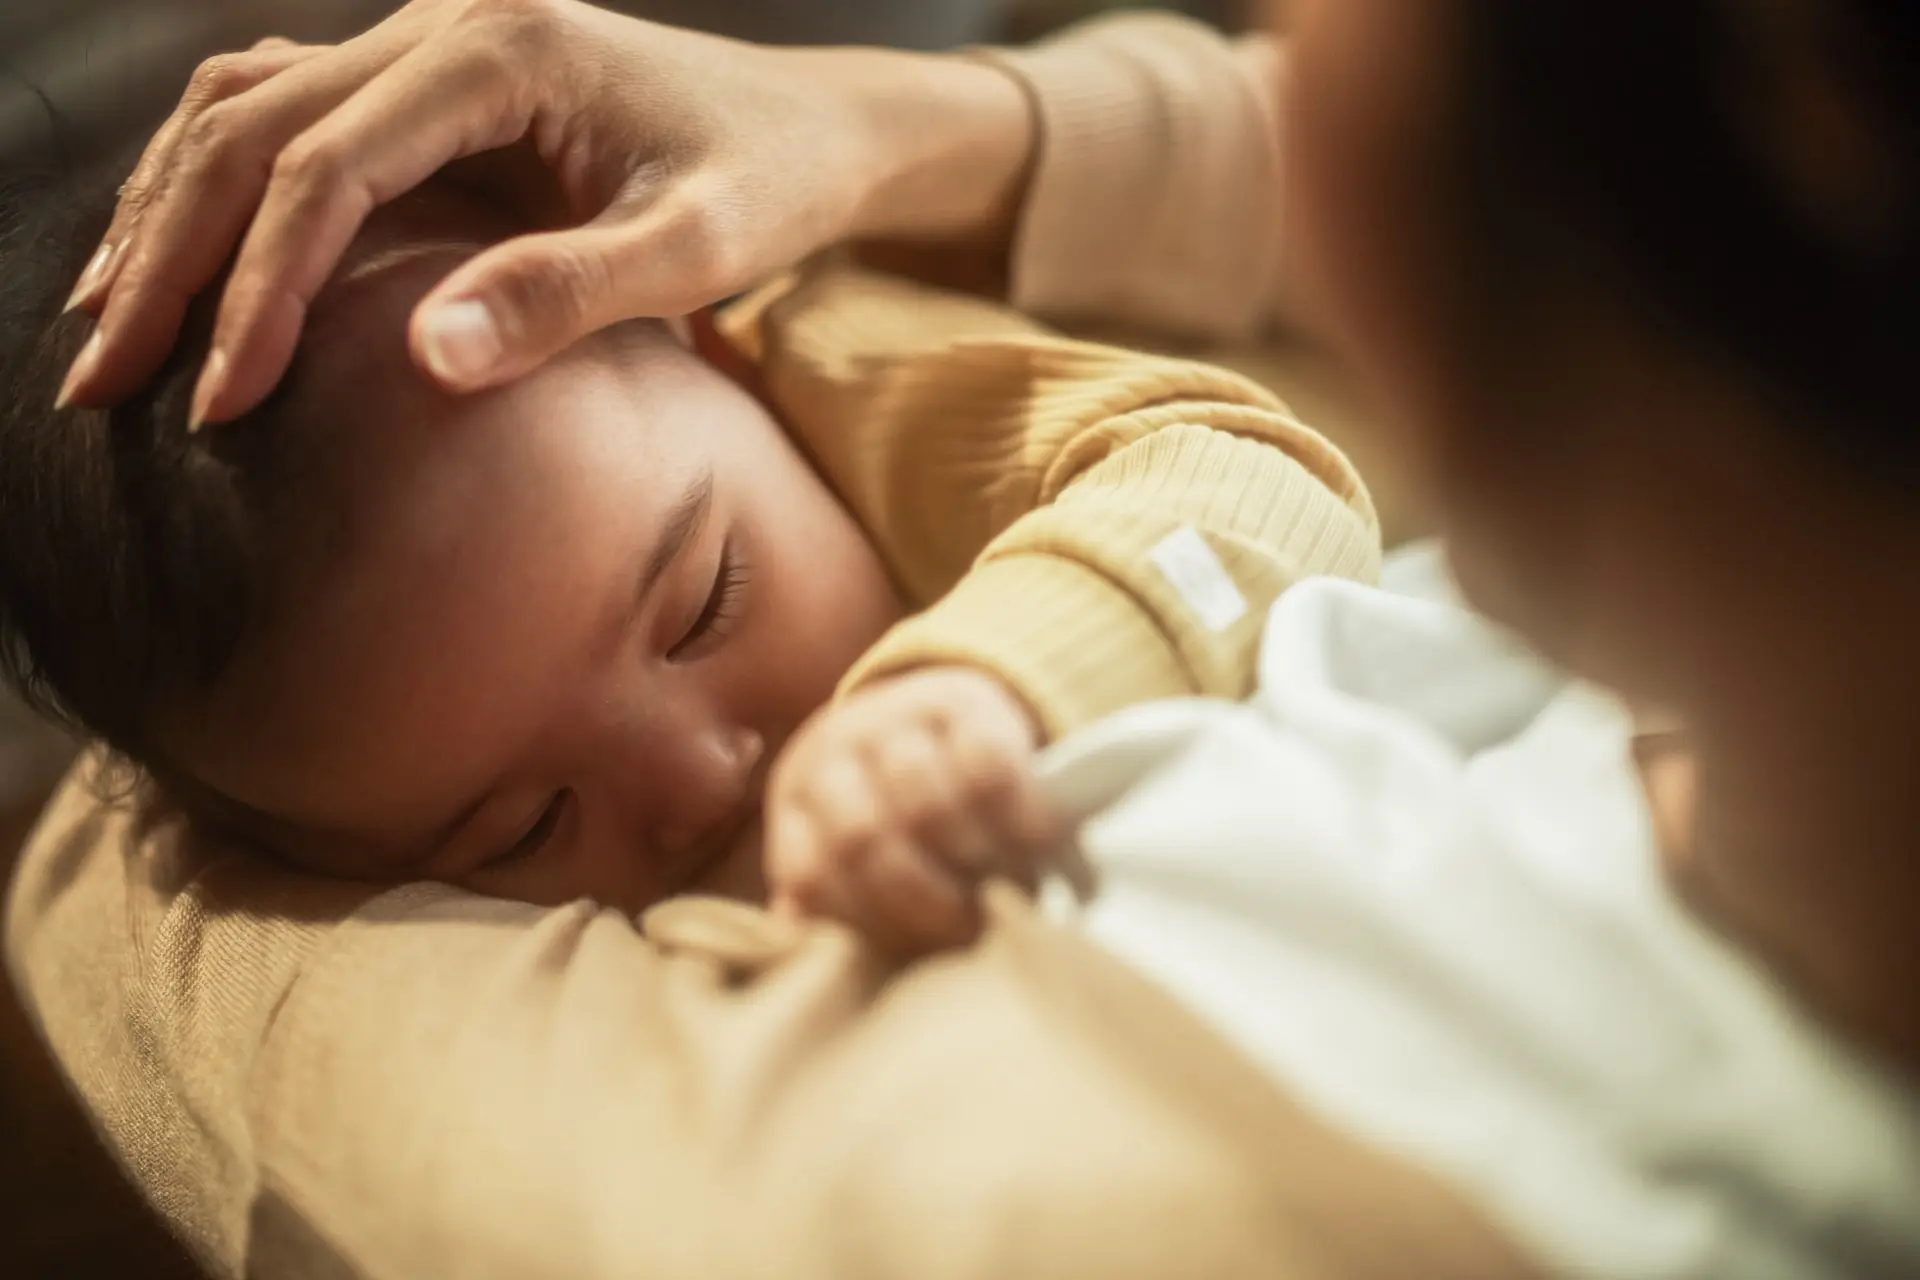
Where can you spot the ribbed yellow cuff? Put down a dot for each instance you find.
(1076, 648)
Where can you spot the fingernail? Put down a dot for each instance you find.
(213, 380)
(82, 369)
(461, 341)
(91, 277)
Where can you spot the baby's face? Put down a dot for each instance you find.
(558, 633)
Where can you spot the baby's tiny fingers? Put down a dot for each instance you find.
(839, 795)
(1029, 818)
(997, 781)
(924, 796)
(911, 903)
(800, 872)
(793, 854)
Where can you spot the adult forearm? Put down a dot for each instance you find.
(1123, 172)
(954, 142)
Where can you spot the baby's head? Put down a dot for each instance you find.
(541, 641)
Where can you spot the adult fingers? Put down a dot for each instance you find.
(218, 79)
(184, 232)
(517, 304)
(432, 106)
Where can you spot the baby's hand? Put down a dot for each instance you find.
(886, 811)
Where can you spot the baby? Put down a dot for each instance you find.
(577, 637)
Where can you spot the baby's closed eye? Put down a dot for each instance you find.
(719, 610)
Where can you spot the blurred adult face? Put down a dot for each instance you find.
(1607, 486)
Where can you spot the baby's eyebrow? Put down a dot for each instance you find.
(683, 522)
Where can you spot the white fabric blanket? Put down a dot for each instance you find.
(1414, 879)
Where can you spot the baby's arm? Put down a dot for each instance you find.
(1087, 529)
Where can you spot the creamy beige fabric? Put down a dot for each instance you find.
(313, 1081)
(1156, 201)
(440, 1085)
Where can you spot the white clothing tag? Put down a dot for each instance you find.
(1185, 560)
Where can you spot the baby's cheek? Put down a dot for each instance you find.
(742, 873)
(594, 860)
(835, 604)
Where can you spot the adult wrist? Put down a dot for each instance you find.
(951, 140)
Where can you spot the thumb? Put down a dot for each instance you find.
(523, 301)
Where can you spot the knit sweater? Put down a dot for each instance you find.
(309, 1078)
(1018, 484)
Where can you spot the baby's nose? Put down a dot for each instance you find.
(734, 755)
(718, 784)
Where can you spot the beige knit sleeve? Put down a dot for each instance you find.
(1154, 200)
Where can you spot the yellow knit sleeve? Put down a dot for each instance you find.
(1094, 526)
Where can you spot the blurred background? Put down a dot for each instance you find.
(82, 79)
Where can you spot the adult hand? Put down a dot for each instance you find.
(887, 810)
(685, 167)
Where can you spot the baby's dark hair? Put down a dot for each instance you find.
(134, 556)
